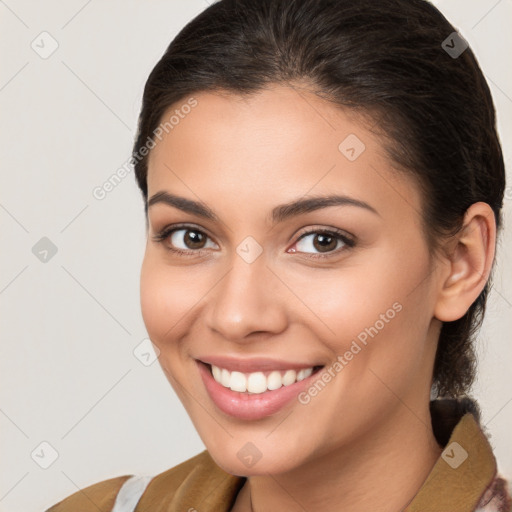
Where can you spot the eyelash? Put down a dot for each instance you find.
(162, 236)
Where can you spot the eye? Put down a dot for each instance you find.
(190, 241)
(324, 241)
(186, 240)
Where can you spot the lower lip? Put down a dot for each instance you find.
(250, 406)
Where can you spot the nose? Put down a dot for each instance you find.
(248, 299)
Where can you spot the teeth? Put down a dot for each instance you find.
(238, 382)
(257, 382)
(216, 373)
(289, 377)
(301, 375)
(274, 381)
(225, 378)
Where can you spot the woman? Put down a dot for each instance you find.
(323, 184)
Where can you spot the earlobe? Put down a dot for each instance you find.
(470, 263)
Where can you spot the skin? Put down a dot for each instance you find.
(365, 442)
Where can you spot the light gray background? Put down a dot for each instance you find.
(69, 376)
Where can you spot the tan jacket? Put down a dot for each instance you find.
(463, 479)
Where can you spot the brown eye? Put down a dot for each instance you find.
(184, 240)
(192, 239)
(188, 239)
(322, 243)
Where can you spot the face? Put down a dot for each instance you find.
(231, 278)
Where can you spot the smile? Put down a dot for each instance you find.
(253, 390)
(258, 382)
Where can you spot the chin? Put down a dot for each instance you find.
(247, 461)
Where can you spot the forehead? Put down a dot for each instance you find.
(277, 144)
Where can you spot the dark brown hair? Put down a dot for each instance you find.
(382, 58)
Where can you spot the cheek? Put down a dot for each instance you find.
(345, 303)
(379, 299)
(164, 300)
(150, 294)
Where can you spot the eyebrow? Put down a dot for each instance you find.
(279, 214)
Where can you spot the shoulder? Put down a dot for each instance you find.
(193, 477)
(198, 479)
(98, 497)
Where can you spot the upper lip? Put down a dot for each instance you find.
(254, 364)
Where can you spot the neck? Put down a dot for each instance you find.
(381, 470)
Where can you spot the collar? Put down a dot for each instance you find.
(461, 475)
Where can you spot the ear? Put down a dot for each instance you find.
(469, 263)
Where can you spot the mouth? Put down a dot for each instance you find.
(259, 381)
(254, 395)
